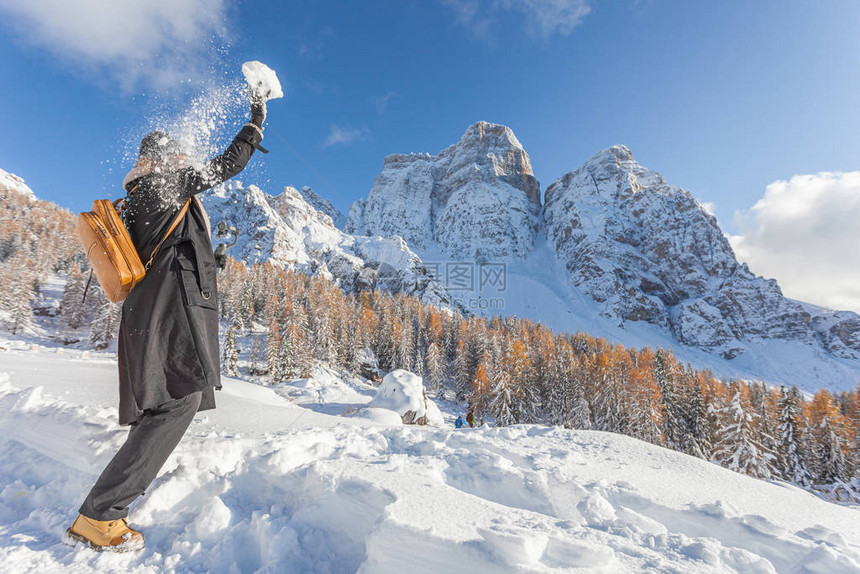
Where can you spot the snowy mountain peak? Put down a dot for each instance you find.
(614, 171)
(317, 202)
(477, 199)
(497, 147)
(648, 251)
(12, 182)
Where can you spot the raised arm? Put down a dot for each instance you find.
(223, 167)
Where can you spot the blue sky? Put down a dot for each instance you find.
(723, 98)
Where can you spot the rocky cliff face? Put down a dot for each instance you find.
(286, 230)
(650, 252)
(476, 199)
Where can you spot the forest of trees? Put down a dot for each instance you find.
(39, 238)
(512, 370)
(507, 370)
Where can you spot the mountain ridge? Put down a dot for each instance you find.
(645, 251)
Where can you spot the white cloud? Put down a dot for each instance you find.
(344, 136)
(129, 42)
(381, 102)
(805, 233)
(543, 17)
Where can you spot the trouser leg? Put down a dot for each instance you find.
(150, 442)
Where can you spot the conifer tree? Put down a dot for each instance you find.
(674, 426)
(827, 426)
(254, 367)
(502, 398)
(434, 367)
(460, 371)
(696, 436)
(105, 324)
(737, 448)
(295, 357)
(644, 405)
(790, 452)
(72, 308)
(230, 353)
(19, 293)
(578, 414)
(765, 428)
(273, 351)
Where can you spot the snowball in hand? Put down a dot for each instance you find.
(263, 79)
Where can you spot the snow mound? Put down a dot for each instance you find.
(263, 79)
(403, 393)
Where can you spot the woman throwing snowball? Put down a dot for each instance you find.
(168, 340)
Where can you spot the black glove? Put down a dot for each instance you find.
(258, 106)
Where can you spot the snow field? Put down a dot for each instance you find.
(342, 494)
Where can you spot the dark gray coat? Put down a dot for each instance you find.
(168, 335)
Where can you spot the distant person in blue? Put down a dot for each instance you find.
(459, 423)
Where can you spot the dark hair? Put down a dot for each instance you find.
(159, 144)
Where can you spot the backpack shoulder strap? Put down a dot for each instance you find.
(169, 231)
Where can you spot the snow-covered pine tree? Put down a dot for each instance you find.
(72, 308)
(245, 304)
(19, 292)
(737, 448)
(643, 404)
(578, 413)
(273, 351)
(287, 365)
(827, 426)
(673, 401)
(460, 375)
(254, 366)
(763, 404)
(300, 360)
(502, 398)
(558, 399)
(609, 372)
(402, 345)
(230, 353)
(697, 436)
(105, 324)
(434, 367)
(321, 327)
(383, 343)
(791, 465)
(517, 365)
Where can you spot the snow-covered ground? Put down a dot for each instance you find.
(264, 484)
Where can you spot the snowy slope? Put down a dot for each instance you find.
(263, 485)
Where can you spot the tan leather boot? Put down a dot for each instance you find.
(111, 535)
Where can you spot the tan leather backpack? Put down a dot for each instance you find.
(109, 248)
